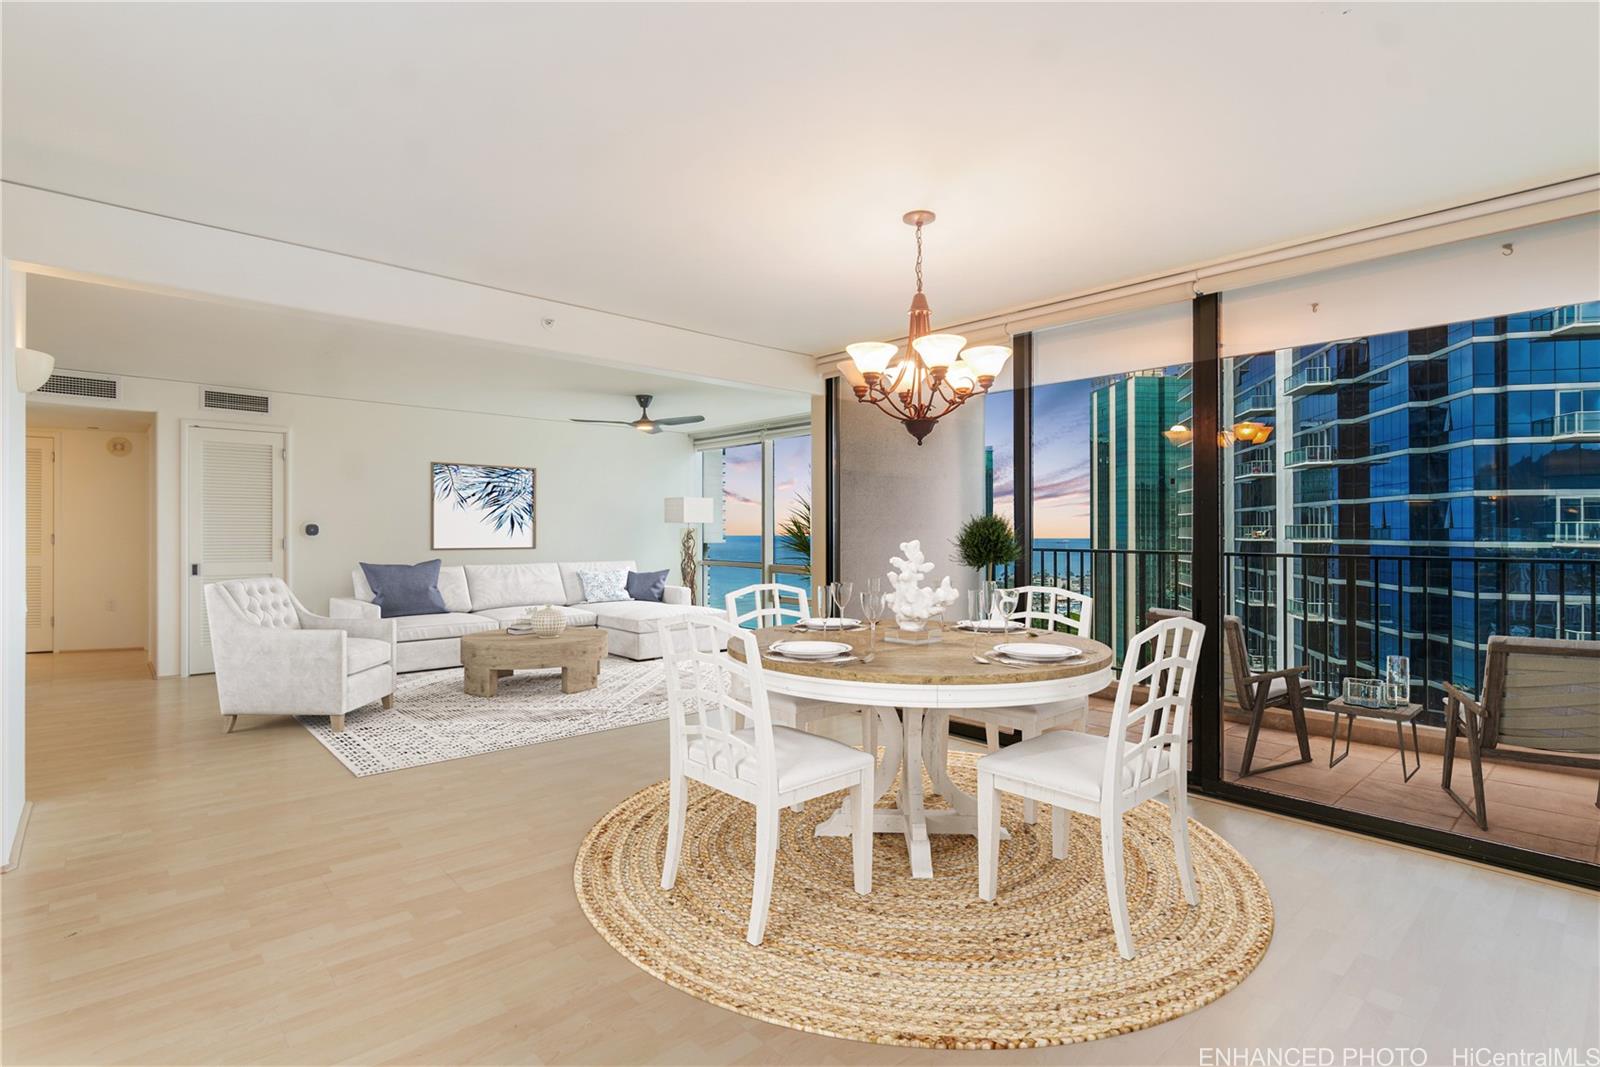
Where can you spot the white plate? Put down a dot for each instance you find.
(1039, 652)
(830, 624)
(990, 626)
(810, 649)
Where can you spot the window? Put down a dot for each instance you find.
(762, 490)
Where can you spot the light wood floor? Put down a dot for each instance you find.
(190, 897)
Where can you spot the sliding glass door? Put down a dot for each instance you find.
(762, 494)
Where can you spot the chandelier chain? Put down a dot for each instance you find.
(919, 257)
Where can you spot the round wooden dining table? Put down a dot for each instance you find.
(926, 685)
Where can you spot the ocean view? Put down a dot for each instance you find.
(747, 549)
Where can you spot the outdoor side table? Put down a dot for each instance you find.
(1400, 716)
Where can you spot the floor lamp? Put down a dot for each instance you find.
(690, 511)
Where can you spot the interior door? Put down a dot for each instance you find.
(235, 494)
(41, 544)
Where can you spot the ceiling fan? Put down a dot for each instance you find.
(644, 423)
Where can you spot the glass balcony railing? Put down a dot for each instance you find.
(1308, 378)
(1255, 468)
(1308, 454)
(1258, 401)
(1583, 424)
(1314, 610)
(1580, 531)
(1310, 531)
(1257, 532)
(1578, 318)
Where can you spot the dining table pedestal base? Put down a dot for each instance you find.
(917, 740)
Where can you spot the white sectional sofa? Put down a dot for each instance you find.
(489, 596)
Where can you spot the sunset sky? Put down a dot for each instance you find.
(1061, 456)
(741, 483)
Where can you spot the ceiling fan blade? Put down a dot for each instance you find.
(681, 420)
(604, 422)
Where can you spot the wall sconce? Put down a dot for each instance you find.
(33, 369)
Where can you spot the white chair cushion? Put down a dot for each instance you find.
(803, 759)
(513, 585)
(1066, 760)
(431, 627)
(641, 616)
(504, 616)
(1277, 687)
(364, 653)
(572, 585)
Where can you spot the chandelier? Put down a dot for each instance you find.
(936, 374)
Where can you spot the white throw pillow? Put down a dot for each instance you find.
(604, 587)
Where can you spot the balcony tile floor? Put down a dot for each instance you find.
(1542, 809)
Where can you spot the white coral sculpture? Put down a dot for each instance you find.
(912, 602)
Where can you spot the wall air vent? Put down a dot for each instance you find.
(234, 400)
(71, 383)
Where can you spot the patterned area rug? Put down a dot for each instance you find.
(434, 720)
(925, 962)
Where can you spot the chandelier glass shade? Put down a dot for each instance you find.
(936, 373)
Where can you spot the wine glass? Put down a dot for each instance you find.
(1005, 604)
(977, 611)
(841, 593)
(872, 607)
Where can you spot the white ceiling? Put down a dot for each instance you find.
(112, 330)
(741, 169)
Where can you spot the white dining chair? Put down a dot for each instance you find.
(762, 764)
(771, 604)
(1107, 776)
(1060, 611)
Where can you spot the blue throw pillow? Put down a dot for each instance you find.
(647, 586)
(405, 589)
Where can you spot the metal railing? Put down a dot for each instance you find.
(1254, 468)
(1314, 376)
(1259, 400)
(1309, 531)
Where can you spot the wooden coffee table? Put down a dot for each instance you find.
(491, 656)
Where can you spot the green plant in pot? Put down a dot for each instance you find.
(985, 542)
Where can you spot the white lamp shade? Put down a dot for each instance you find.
(690, 509)
(870, 357)
(987, 360)
(961, 376)
(33, 368)
(939, 349)
(851, 373)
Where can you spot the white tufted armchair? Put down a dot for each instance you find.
(274, 657)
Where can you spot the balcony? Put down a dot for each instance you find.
(1258, 401)
(1312, 610)
(1309, 379)
(1578, 426)
(1256, 532)
(1254, 468)
(1578, 532)
(1310, 531)
(1581, 319)
(1308, 455)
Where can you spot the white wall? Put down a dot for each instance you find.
(13, 589)
(361, 471)
(102, 539)
(891, 490)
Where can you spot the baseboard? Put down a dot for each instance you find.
(16, 843)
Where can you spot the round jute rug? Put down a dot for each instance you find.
(922, 962)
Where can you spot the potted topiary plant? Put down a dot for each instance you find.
(985, 542)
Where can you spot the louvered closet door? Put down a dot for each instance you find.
(41, 543)
(236, 525)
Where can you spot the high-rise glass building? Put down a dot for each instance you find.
(1140, 492)
(1422, 490)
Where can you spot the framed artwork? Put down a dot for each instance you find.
(477, 506)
